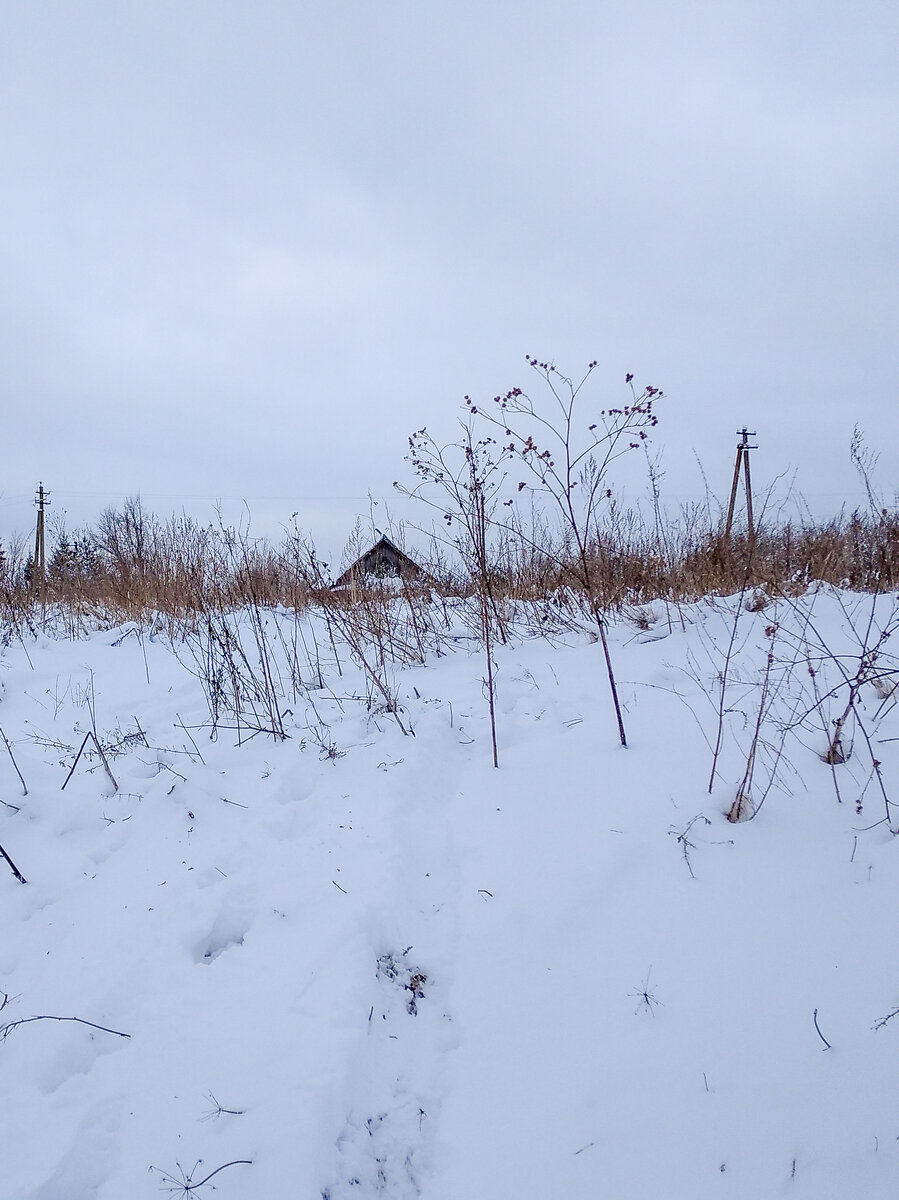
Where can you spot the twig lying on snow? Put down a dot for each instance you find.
(684, 842)
(827, 1045)
(881, 1021)
(185, 1186)
(6, 1030)
(218, 1110)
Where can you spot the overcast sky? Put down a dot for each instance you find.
(246, 249)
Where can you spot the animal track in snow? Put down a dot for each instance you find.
(386, 1133)
(229, 928)
(75, 1052)
(410, 979)
(377, 1155)
(81, 1171)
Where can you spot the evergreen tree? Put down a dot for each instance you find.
(63, 568)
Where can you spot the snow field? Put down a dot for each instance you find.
(590, 1019)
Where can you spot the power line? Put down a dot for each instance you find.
(18, 497)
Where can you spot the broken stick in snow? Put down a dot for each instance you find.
(14, 763)
(90, 736)
(15, 870)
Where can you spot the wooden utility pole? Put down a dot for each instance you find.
(39, 567)
(743, 448)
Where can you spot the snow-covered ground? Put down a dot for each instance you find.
(363, 963)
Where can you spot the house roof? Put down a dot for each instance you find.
(384, 558)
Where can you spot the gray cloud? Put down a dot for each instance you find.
(247, 250)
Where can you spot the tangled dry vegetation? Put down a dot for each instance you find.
(266, 632)
(132, 566)
(525, 508)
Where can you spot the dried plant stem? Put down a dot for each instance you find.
(485, 601)
(91, 736)
(722, 690)
(14, 763)
(15, 870)
(612, 684)
(737, 811)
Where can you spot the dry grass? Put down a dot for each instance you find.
(134, 566)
